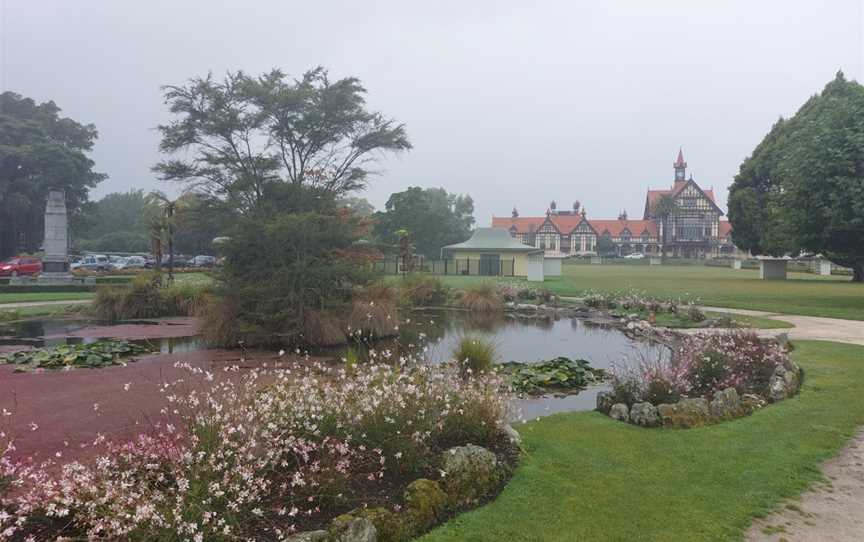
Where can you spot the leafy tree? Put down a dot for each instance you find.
(360, 206)
(39, 150)
(200, 219)
(803, 186)
(246, 133)
(433, 217)
(294, 254)
(606, 246)
(115, 223)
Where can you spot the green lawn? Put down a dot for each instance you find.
(7, 315)
(676, 321)
(44, 296)
(804, 293)
(585, 476)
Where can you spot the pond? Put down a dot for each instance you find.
(429, 335)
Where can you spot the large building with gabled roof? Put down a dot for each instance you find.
(681, 221)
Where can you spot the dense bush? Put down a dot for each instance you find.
(701, 366)
(246, 461)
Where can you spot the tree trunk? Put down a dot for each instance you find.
(858, 272)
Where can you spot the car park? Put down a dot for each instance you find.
(93, 262)
(132, 262)
(203, 261)
(20, 266)
(634, 256)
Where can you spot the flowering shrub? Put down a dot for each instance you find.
(519, 292)
(256, 456)
(701, 366)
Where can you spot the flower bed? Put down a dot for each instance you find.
(268, 453)
(710, 378)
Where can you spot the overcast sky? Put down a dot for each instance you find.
(512, 102)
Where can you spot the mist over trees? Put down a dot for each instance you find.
(803, 186)
(39, 150)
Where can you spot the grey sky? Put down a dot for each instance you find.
(509, 101)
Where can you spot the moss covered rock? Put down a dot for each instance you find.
(470, 472)
(425, 504)
(685, 414)
(391, 527)
(350, 528)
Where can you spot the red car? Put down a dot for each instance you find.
(14, 267)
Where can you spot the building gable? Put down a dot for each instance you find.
(690, 195)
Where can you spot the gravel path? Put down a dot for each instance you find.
(808, 327)
(831, 511)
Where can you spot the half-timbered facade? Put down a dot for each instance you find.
(682, 221)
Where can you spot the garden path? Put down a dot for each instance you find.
(807, 327)
(830, 511)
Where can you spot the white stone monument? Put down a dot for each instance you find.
(55, 263)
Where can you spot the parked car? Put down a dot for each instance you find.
(179, 260)
(14, 267)
(203, 261)
(634, 256)
(132, 262)
(93, 262)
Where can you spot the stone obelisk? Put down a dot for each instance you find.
(55, 263)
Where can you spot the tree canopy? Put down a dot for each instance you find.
(803, 186)
(39, 150)
(245, 133)
(432, 216)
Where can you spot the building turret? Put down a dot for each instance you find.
(515, 213)
(680, 167)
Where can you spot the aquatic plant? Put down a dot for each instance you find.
(89, 355)
(482, 297)
(416, 290)
(555, 375)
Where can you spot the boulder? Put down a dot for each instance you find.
(348, 528)
(751, 402)
(605, 400)
(644, 414)
(470, 472)
(726, 405)
(785, 381)
(685, 414)
(308, 536)
(425, 504)
(620, 412)
(390, 527)
(512, 435)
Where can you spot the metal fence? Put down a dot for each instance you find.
(491, 267)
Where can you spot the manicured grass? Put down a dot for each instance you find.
(803, 293)
(585, 476)
(7, 315)
(44, 296)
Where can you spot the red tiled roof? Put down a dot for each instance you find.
(654, 195)
(615, 227)
(567, 223)
(725, 228)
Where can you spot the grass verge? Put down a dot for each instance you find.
(585, 476)
(36, 297)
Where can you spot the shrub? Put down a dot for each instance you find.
(323, 328)
(422, 291)
(145, 297)
(474, 355)
(242, 460)
(694, 314)
(483, 297)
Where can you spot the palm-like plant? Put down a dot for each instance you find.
(664, 208)
(161, 211)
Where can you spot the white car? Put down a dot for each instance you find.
(634, 256)
(93, 262)
(132, 262)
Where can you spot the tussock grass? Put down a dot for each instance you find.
(474, 355)
(417, 290)
(481, 297)
(145, 298)
(373, 312)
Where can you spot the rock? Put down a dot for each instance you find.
(620, 412)
(605, 400)
(526, 307)
(308, 536)
(751, 402)
(685, 414)
(512, 435)
(644, 414)
(348, 528)
(785, 381)
(425, 504)
(390, 527)
(470, 472)
(726, 405)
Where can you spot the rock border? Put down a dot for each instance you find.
(470, 475)
(692, 412)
